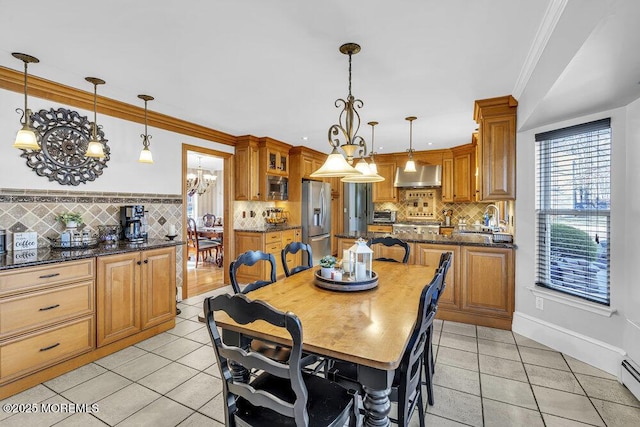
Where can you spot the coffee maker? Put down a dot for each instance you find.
(133, 223)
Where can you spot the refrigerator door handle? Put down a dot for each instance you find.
(318, 238)
(322, 206)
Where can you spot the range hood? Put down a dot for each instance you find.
(425, 176)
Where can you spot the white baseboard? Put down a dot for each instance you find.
(586, 349)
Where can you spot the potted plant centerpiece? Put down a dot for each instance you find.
(326, 265)
(70, 219)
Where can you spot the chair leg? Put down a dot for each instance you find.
(420, 410)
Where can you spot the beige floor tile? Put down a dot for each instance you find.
(96, 388)
(162, 412)
(499, 414)
(498, 349)
(550, 359)
(198, 420)
(183, 328)
(579, 367)
(81, 419)
(141, 367)
(120, 357)
(457, 379)
(123, 403)
(553, 378)
(32, 395)
(197, 391)
(616, 415)
(566, 405)
(213, 370)
(177, 349)
(500, 367)
(553, 421)
(456, 405)
(75, 377)
(48, 412)
(437, 324)
(434, 420)
(604, 389)
(200, 358)
(494, 334)
(459, 328)
(459, 358)
(188, 311)
(528, 342)
(168, 377)
(214, 409)
(507, 391)
(156, 341)
(461, 342)
(201, 336)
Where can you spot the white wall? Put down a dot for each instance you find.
(123, 174)
(581, 333)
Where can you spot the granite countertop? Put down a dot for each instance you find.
(41, 256)
(268, 228)
(464, 239)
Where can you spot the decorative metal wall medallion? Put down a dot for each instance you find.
(64, 135)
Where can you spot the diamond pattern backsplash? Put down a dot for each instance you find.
(31, 210)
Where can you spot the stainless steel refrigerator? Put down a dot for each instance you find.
(358, 207)
(316, 218)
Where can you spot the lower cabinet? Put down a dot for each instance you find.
(429, 255)
(270, 242)
(135, 291)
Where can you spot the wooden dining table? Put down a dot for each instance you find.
(370, 328)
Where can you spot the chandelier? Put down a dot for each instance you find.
(348, 124)
(199, 182)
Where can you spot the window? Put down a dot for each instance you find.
(573, 193)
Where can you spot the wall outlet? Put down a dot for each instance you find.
(539, 303)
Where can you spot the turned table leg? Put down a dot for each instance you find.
(376, 384)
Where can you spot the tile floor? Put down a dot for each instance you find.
(484, 377)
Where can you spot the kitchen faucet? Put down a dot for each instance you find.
(496, 217)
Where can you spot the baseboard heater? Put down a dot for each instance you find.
(631, 378)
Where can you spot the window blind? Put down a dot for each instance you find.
(573, 193)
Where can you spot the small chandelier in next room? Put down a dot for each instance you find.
(199, 182)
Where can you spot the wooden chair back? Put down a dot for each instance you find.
(249, 258)
(208, 220)
(293, 248)
(391, 241)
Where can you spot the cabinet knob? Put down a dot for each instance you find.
(139, 263)
(146, 261)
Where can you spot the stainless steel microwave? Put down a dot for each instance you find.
(277, 187)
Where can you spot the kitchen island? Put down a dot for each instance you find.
(480, 285)
(61, 309)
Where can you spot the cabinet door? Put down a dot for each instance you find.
(499, 158)
(429, 255)
(247, 176)
(447, 180)
(277, 162)
(487, 278)
(385, 191)
(293, 260)
(246, 241)
(118, 297)
(158, 286)
(462, 188)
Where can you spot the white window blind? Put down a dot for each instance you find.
(573, 193)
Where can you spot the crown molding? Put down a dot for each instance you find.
(545, 30)
(66, 95)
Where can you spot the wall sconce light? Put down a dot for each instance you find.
(26, 138)
(145, 154)
(95, 148)
(410, 166)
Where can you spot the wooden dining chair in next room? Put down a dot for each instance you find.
(281, 394)
(406, 389)
(389, 242)
(292, 249)
(202, 246)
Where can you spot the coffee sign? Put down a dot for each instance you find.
(25, 241)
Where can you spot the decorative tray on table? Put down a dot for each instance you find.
(346, 285)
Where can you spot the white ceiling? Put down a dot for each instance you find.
(272, 68)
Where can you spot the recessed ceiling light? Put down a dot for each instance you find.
(305, 138)
(429, 143)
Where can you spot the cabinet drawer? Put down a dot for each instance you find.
(272, 238)
(38, 309)
(24, 279)
(274, 248)
(29, 353)
(380, 228)
(288, 236)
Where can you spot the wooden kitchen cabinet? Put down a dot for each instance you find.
(447, 178)
(496, 151)
(463, 173)
(384, 191)
(135, 291)
(274, 156)
(247, 176)
(487, 276)
(429, 254)
(380, 228)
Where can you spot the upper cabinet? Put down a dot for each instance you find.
(255, 159)
(384, 191)
(464, 165)
(496, 150)
(274, 156)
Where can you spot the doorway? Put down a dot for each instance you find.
(205, 196)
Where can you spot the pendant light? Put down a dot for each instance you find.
(410, 166)
(26, 138)
(336, 165)
(95, 147)
(367, 174)
(372, 164)
(145, 154)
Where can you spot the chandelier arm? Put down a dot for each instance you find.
(359, 141)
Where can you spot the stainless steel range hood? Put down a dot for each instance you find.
(425, 176)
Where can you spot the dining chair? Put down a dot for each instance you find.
(406, 389)
(282, 394)
(391, 241)
(249, 259)
(429, 362)
(208, 220)
(293, 248)
(201, 246)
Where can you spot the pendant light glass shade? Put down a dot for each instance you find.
(366, 175)
(372, 165)
(410, 166)
(145, 154)
(26, 138)
(95, 147)
(335, 166)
